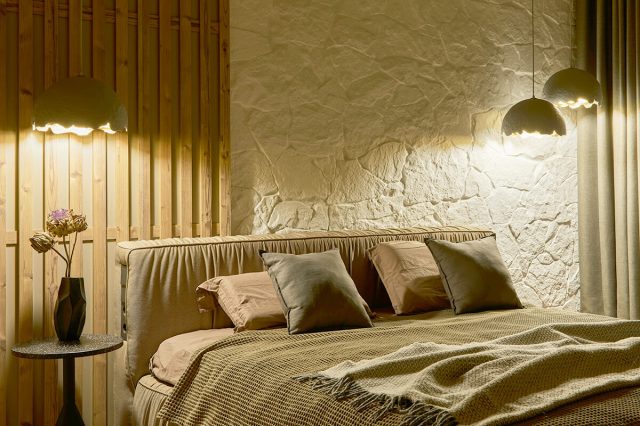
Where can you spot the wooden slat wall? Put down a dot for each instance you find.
(5, 142)
(135, 185)
(26, 150)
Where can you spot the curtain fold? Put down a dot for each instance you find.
(607, 41)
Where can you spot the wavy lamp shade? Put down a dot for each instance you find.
(533, 117)
(573, 88)
(79, 105)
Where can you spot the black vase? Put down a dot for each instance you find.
(70, 309)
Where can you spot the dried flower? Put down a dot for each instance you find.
(59, 222)
(42, 242)
(78, 222)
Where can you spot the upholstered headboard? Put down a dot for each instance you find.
(159, 279)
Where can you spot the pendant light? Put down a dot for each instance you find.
(79, 105)
(573, 87)
(533, 116)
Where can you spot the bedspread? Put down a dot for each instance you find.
(246, 379)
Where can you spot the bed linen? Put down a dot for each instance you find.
(175, 353)
(497, 382)
(246, 379)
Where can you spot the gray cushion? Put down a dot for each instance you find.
(474, 275)
(316, 291)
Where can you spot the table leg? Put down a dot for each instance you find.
(69, 415)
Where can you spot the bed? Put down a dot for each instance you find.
(250, 372)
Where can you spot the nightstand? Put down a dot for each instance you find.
(88, 345)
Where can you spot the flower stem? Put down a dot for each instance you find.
(66, 269)
(73, 250)
(64, 244)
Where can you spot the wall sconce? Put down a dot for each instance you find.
(79, 105)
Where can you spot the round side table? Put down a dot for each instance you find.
(52, 348)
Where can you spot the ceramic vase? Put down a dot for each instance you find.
(70, 309)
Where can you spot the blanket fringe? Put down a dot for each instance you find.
(415, 413)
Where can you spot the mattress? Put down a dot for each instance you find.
(148, 400)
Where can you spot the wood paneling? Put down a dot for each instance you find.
(135, 185)
(224, 116)
(5, 142)
(206, 190)
(27, 151)
(186, 134)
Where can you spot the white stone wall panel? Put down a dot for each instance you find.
(378, 113)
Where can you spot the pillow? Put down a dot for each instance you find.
(410, 275)
(249, 300)
(316, 291)
(206, 300)
(474, 275)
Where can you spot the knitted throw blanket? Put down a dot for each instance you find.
(490, 383)
(246, 379)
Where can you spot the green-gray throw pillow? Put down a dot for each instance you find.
(316, 291)
(474, 275)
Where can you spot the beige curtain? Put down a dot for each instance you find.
(607, 39)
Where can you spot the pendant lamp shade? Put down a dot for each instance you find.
(79, 105)
(534, 117)
(573, 88)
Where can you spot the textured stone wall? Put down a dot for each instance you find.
(373, 113)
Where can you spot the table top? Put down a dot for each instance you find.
(89, 344)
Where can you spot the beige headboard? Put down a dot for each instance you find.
(159, 279)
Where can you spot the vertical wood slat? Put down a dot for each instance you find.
(4, 142)
(224, 102)
(75, 164)
(144, 138)
(99, 191)
(75, 21)
(164, 68)
(76, 153)
(206, 190)
(122, 139)
(50, 287)
(25, 203)
(186, 179)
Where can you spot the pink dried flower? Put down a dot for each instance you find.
(59, 222)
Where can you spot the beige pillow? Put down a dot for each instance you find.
(474, 275)
(206, 299)
(410, 275)
(249, 300)
(316, 291)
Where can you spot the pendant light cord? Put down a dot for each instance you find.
(571, 23)
(533, 54)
